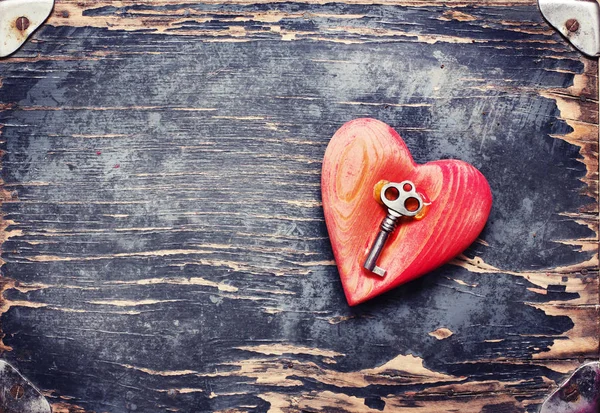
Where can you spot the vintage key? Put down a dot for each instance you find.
(401, 199)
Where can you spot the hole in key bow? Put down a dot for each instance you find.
(411, 204)
(392, 193)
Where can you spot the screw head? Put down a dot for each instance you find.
(22, 23)
(572, 25)
(17, 391)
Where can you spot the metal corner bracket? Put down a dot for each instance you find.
(579, 394)
(17, 394)
(577, 20)
(18, 20)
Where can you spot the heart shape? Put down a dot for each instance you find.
(362, 153)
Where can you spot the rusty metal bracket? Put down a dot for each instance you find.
(18, 20)
(17, 394)
(577, 20)
(579, 394)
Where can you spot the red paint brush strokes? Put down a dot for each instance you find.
(360, 154)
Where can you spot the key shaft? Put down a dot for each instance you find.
(387, 226)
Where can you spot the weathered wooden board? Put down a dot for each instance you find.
(163, 239)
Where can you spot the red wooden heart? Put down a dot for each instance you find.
(360, 154)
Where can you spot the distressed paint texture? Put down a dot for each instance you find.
(163, 243)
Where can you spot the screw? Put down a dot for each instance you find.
(572, 25)
(570, 393)
(17, 391)
(22, 23)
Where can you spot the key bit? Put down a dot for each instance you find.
(401, 199)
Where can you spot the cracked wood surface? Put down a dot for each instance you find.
(163, 243)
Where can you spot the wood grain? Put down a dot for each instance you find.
(366, 151)
(163, 240)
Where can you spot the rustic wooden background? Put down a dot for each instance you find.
(163, 243)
